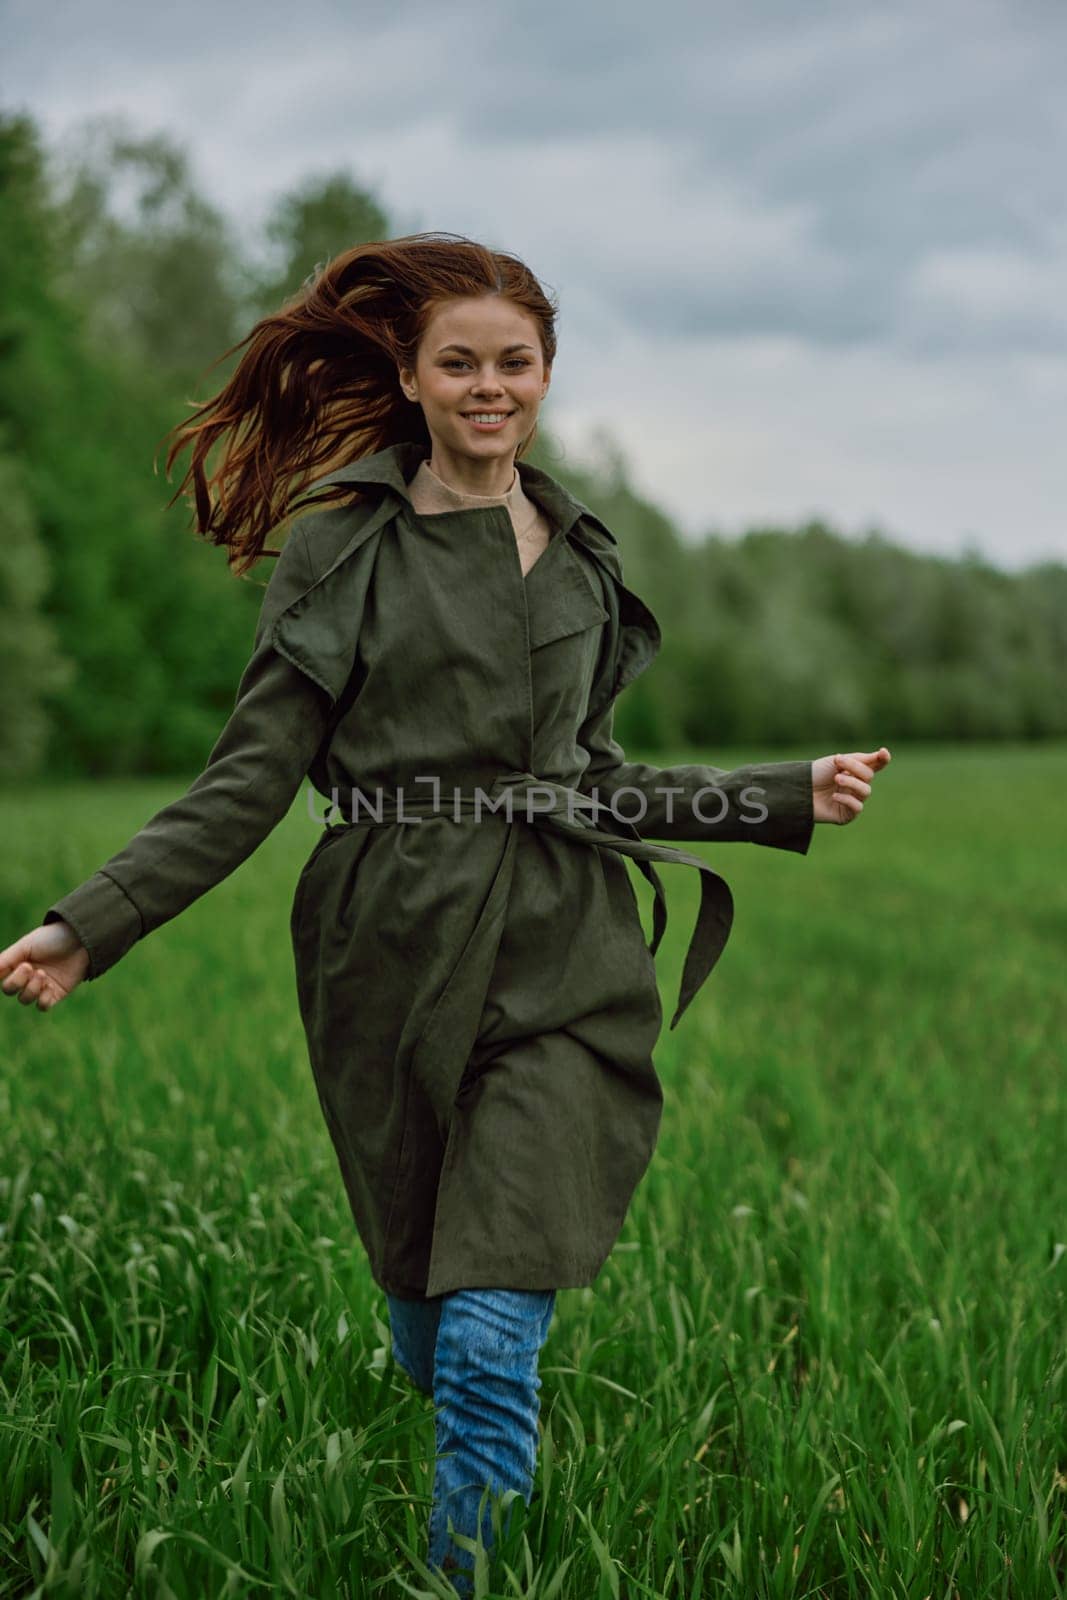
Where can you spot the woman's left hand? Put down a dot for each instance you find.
(840, 784)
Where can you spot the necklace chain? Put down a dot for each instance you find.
(525, 534)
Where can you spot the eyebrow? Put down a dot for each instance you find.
(466, 350)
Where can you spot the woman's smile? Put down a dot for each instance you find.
(488, 421)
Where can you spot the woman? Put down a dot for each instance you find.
(439, 647)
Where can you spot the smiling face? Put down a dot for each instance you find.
(479, 358)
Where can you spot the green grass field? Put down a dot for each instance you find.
(827, 1357)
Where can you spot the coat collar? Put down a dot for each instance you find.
(324, 651)
(393, 468)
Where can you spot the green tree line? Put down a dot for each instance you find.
(123, 634)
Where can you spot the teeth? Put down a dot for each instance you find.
(487, 416)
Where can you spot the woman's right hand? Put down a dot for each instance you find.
(44, 966)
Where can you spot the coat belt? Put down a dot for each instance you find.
(541, 802)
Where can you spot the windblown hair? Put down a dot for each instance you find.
(318, 385)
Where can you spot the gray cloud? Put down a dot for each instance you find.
(932, 131)
(843, 207)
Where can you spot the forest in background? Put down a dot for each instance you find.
(123, 635)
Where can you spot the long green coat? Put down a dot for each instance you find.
(479, 1001)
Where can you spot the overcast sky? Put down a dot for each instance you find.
(811, 259)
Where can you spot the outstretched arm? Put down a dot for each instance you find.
(773, 803)
(248, 784)
(769, 803)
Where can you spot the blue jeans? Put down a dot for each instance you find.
(476, 1352)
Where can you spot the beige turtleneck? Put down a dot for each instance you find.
(429, 493)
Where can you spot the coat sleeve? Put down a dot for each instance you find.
(249, 782)
(769, 802)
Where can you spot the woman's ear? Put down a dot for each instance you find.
(406, 379)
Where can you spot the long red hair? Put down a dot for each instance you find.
(318, 384)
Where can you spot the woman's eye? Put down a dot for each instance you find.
(457, 361)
